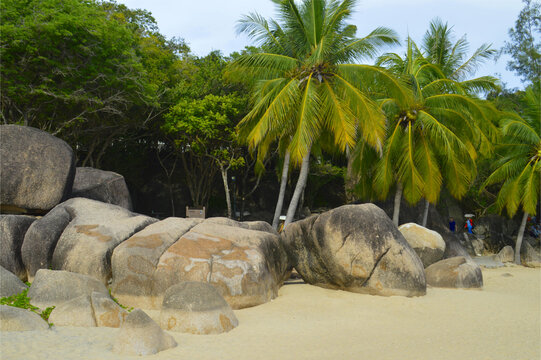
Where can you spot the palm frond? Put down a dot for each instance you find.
(339, 119)
(308, 122)
(371, 119)
(470, 66)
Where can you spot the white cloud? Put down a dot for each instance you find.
(210, 24)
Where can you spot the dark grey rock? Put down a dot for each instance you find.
(10, 284)
(453, 246)
(12, 231)
(105, 186)
(37, 169)
(355, 248)
(497, 231)
(41, 238)
(456, 272)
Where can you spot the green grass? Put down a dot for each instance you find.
(21, 300)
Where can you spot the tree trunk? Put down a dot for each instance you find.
(223, 171)
(301, 183)
(425, 213)
(283, 184)
(397, 198)
(168, 175)
(519, 238)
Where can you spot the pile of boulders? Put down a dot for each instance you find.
(87, 251)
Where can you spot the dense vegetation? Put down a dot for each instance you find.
(231, 132)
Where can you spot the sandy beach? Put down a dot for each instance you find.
(501, 321)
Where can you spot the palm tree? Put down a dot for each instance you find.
(435, 138)
(519, 165)
(307, 84)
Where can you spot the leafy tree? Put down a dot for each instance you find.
(68, 68)
(439, 135)
(525, 45)
(203, 131)
(519, 164)
(306, 84)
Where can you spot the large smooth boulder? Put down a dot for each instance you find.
(140, 335)
(246, 266)
(453, 246)
(41, 238)
(75, 312)
(37, 169)
(12, 231)
(106, 311)
(529, 256)
(87, 243)
(250, 225)
(134, 261)
(196, 308)
(52, 287)
(456, 272)
(428, 244)
(355, 248)
(10, 284)
(97, 309)
(17, 319)
(105, 186)
(506, 254)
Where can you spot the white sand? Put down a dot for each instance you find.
(502, 321)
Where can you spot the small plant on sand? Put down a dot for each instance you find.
(21, 300)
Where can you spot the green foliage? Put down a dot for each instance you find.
(305, 84)
(436, 138)
(525, 43)
(198, 123)
(200, 126)
(518, 163)
(89, 72)
(22, 301)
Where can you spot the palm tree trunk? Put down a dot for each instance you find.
(425, 213)
(301, 183)
(283, 184)
(397, 198)
(223, 171)
(519, 238)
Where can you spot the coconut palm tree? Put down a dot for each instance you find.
(307, 83)
(435, 138)
(519, 165)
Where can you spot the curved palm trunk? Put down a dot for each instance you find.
(519, 237)
(425, 213)
(397, 198)
(283, 184)
(223, 171)
(301, 183)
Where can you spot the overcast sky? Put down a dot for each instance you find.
(208, 25)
